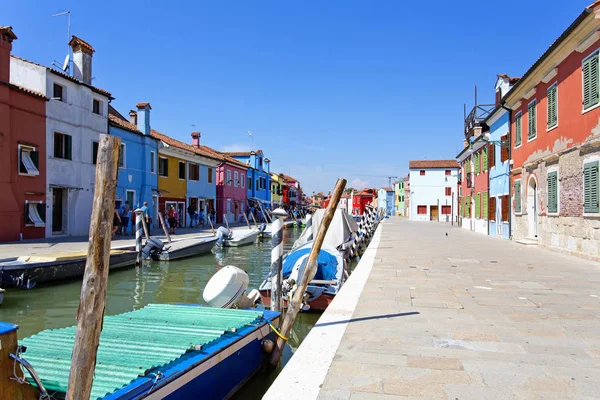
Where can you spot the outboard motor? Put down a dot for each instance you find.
(19, 281)
(152, 249)
(227, 289)
(262, 227)
(223, 234)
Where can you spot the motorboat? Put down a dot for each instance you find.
(155, 249)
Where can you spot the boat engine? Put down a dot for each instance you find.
(262, 227)
(223, 234)
(227, 289)
(152, 249)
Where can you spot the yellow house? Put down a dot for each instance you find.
(276, 190)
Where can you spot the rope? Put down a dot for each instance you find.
(16, 377)
(268, 321)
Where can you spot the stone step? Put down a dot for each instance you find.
(527, 242)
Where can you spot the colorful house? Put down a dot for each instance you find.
(292, 191)
(432, 185)
(77, 114)
(407, 196)
(259, 175)
(22, 153)
(385, 200)
(277, 185)
(555, 137)
(138, 178)
(360, 200)
(231, 189)
(398, 187)
(499, 162)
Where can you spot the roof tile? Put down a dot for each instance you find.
(414, 164)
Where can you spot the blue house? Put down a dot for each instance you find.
(259, 175)
(499, 135)
(137, 179)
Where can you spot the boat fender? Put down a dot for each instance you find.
(268, 345)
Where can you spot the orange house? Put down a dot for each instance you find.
(555, 142)
(22, 154)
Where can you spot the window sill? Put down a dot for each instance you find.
(553, 214)
(532, 139)
(35, 226)
(163, 176)
(517, 147)
(590, 109)
(552, 128)
(591, 215)
(23, 174)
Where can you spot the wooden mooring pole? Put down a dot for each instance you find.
(164, 227)
(92, 302)
(309, 272)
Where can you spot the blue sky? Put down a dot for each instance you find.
(351, 89)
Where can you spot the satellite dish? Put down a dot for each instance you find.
(65, 66)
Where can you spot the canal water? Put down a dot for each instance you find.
(55, 306)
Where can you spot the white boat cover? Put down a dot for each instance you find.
(341, 229)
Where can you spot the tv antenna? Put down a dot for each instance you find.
(66, 63)
(251, 137)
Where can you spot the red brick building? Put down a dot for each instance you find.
(22, 153)
(555, 142)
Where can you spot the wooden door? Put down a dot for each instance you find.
(433, 213)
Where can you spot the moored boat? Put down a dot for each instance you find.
(237, 237)
(156, 250)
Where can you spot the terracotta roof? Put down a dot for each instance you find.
(288, 178)
(115, 118)
(511, 80)
(143, 105)
(365, 192)
(242, 153)
(416, 164)
(387, 189)
(25, 90)
(7, 30)
(75, 41)
(69, 77)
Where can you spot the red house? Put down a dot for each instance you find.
(231, 196)
(555, 142)
(361, 199)
(22, 154)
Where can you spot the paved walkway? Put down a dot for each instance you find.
(450, 314)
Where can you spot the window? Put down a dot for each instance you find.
(257, 185)
(249, 183)
(36, 214)
(477, 205)
(492, 155)
(553, 192)
(122, 156)
(228, 177)
(448, 191)
(243, 180)
(517, 196)
(553, 106)
(590, 81)
(97, 107)
(29, 161)
(182, 170)
(228, 206)
(62, 146)
(58, 92)
(210, 175)
(130, 198)
(446, 210)
(236, 181)
(504, 150)
(448, 172)
(531, 121)
(94, 152)
(194, 172)
(484, 201)
(477, 163)
(422, 172)
(518, 128)
(491, 215)
(163, 167)
(485, 158)
(422, 210)
(590, 187)
(505, 202)
(152, 161)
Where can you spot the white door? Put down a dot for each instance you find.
(532, 207)
(499, 222)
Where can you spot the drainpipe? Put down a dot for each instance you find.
(509, 168)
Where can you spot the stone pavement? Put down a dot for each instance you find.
(450, 314)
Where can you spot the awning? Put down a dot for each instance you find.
(28, 163)
(34, 216)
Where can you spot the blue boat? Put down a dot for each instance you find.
(159, 352)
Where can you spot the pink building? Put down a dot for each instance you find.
(231, 189)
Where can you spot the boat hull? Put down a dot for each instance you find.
(45, 272)
(244, 241)
(192, 250)
(319, 304)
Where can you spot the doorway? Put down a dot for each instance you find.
(532, 207)
(154, 210)
(58, 198)
(181, 213)
(433, 213)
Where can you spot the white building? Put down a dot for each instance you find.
(76, 115)
(432, 190)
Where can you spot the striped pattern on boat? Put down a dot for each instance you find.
(133, 343)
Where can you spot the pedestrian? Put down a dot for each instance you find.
(124, 214)
(200, 218)
(192, 212)
(146, 214)
(172, 220)
(116, 223)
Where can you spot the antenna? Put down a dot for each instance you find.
(252, 137)
(68, 58)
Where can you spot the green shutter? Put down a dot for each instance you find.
(477, 205)
(468, 165)
(477, 164)
(532, 120)
(485, 205)
(485, 159)
(518, 196)
(590, 81)
(590, 187)
(552, 106)
(518, 129)
(469, 206)
(552, 192)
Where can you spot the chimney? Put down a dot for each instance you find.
(6, 38)
(82, 60)
(143, 118)
(133, 117)
(465, 143)
(196, 139)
